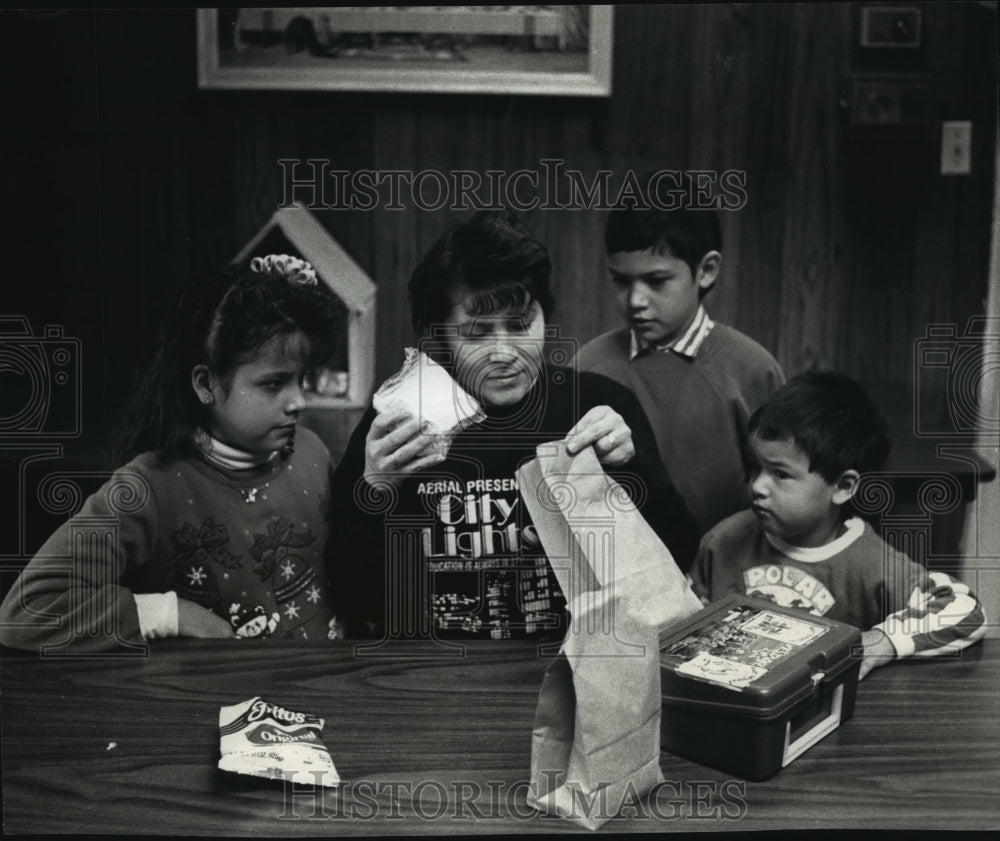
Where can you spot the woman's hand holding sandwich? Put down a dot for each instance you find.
(396, 447)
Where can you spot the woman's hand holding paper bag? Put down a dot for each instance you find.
(606, 430)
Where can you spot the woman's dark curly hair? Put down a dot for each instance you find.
(220, 322)
(492, 255)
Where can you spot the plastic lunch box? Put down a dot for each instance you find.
(748, 685)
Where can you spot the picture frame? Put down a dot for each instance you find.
(538, 50)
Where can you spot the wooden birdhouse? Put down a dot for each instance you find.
(293, 230)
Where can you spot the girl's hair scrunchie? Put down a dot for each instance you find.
(285, 267)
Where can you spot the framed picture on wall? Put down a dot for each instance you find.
(552, 50)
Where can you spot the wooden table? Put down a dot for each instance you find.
(441, 745)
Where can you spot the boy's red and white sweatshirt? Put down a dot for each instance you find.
(857, 578)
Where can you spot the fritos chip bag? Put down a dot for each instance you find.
(264, 740)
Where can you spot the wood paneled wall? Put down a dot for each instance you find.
(129, 178)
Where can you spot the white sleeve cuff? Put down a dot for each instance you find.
(895, 629)
(157, 614)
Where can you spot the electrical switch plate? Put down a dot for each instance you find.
(956, 147)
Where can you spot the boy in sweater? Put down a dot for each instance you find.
(809, 445)
(697, 380)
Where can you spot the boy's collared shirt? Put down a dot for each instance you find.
(687, 345)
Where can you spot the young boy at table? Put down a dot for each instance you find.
(697, 380)
(480, 300)
(809, 446)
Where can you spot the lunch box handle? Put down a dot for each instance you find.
(815, 733)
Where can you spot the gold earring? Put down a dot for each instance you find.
(207, 398)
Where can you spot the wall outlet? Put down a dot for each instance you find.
(956, 147)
